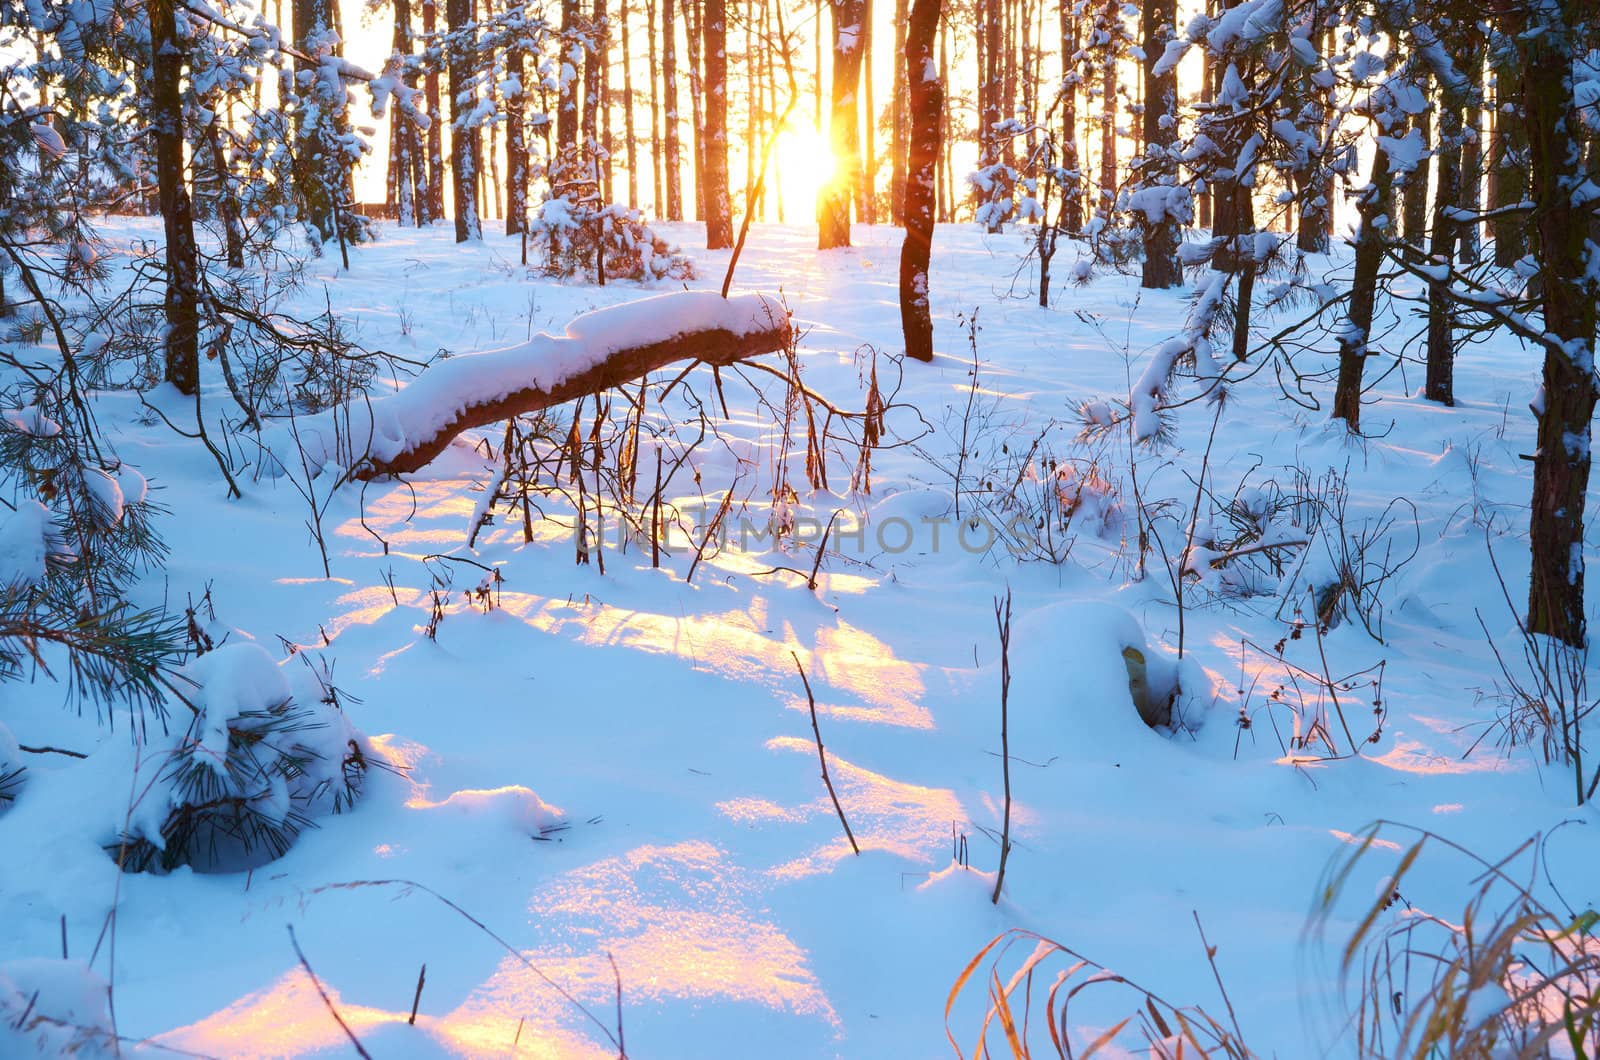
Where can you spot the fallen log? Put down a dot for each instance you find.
(600, 350)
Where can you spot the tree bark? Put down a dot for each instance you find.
(833, 229)
(1160, 165)
(430, 84)
(669, 83)
(516, 141)
(466, 144)
(657, 155)
(714, 144)
(1508, 163)
(1071, 159)
(694, 18)
(182, 341)
(925, 120)
(1569, 293)
(1375, 204)
(632, 148)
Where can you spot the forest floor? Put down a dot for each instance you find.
(700, 865)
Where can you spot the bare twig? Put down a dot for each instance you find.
(1002, 620)
(822, 755)
(326, 1000)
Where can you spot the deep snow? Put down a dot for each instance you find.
(664, 725)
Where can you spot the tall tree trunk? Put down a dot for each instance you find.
(995, 207)
(430, 87)
(1312, 187)
(1159, 220)
(1508, 162)
(632, 148)
(1569, 293)
(1414, 195)
(405, 147)
(1374, 204)
(321, 166)
(657, 155)
(182, 340)
(1071, 158)
(900, 144)
(1108, 114)
(694, 18)
(593, 63)
(466, 144)
(867, 177)
(516, 140)
(669, 85)
(833, 228)
(567, 80)
(947, 190)
(1472, 157)
(227, 201)
(1440, 377)
(925, 119)
(714, 145)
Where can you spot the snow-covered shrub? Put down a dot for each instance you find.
(257, 764)
(572, 233)
(54, 1008)
(993, 192)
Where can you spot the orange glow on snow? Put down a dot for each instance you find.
(908, 820)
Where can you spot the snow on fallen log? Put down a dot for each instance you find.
(600, 350)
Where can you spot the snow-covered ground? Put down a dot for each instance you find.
(663, 722)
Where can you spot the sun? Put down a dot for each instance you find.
(802, 165)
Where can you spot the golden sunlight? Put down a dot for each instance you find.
(802, 165)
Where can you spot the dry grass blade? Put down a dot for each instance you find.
(1163, 1026)
(1508, 975)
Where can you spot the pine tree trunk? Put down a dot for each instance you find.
(1472, 157)
(1160, 164)
(1108, 114)
(714, 144)
(632, 149)
(593, 63)
(466, 145)
(321, 167)
(1440, 379)
(694, 17)
(1508, 166)
(991, 88)
(182, 340)
(669, 83)
(404, 147)
(516, 141)
(925, 121)
(897, 118)
(657, 155)
(1311, 184)
(1414, 195)
(430, 86)
(1375, 203)
(947, 190)
(1569, 294)
(1071, 158)
(227, 201)
(867, 176)
(833, 228)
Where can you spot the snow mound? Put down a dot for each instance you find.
(514, 806)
